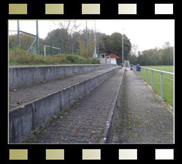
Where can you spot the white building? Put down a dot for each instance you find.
(108, 59)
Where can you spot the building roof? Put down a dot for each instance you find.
(114, 56)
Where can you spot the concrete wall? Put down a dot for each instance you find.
(108, 61)
(24, 120)
(25, 75)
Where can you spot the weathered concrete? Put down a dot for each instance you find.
(26, 75)
(107, 131)
(89, 120)
(29, 117)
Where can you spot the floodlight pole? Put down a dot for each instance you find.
(122, 52)
(123, 47)
(95, 39)
(18, 29)
(86, 38)
(37, 35)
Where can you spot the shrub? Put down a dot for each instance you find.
(18, 56)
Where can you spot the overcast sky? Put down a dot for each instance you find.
(144, 33)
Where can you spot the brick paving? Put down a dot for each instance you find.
(141, 117)
(84, 121)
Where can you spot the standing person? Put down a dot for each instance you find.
(130, 66)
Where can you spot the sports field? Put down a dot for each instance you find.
(168, 81)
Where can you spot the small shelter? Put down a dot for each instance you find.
(108, 58)
(113, 58)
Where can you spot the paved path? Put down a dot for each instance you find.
(141, 118)
(84, 121)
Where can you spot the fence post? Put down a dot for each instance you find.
(152, 79)
(161, 87)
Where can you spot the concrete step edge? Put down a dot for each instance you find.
(25, 119)
(27, 75)
(107, 131)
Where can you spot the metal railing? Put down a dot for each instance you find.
(147, 73)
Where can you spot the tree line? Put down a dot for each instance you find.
(155, 56)
(72, 41)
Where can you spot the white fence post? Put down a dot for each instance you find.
(152, 78)
(146, 76)
(161, 87)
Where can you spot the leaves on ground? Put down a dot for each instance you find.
(20, 102)
(138, 121)
(119, 139)
(93, 132)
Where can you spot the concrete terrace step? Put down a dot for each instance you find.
(90, 120)
(44, 88)
(38, 103)
(26, 75)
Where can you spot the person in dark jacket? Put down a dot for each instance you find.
(131, 67)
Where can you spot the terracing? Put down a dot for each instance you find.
(79, 104)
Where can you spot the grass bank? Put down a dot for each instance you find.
(21, 57)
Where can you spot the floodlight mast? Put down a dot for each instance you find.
(122, 51)
(123, 47)
(18, 29)
(86, 38)
(37, 35)
(95, 39)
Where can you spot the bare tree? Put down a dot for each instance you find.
(134, 49)
(70, 27)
